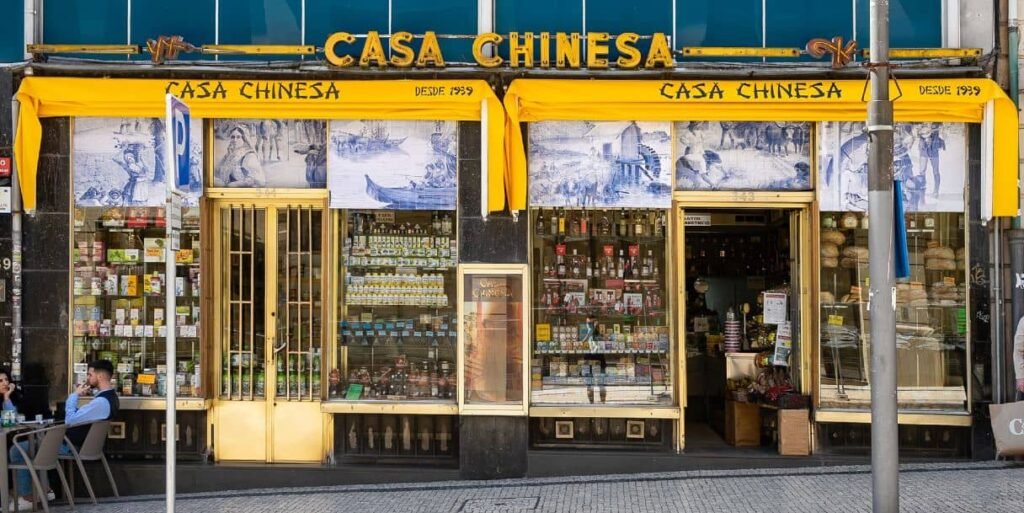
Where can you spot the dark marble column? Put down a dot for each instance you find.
(496, 239)
(46, 246)
(490, 447)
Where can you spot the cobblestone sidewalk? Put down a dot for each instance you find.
(989, 487)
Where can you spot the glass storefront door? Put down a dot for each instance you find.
(270, 329)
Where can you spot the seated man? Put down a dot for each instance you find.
(104, 406)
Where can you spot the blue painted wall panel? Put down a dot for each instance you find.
(442, 17)
(791, 23)
(912, 23)
(718, 23)
(915, 23)
(325, 17)
(537, 16)
(12, 31)
(193, 20)
(266, 22)
(93, 22)
(616, 17)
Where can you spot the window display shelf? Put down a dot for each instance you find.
(601, 351)
(156, 403)
(600, 304)
(607, 411)
(570, 239)
(397, 327)
(599, 380)
(120, 291)
(930, 309)
(390, 407)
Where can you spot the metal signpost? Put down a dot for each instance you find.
(178, 181)
(884, 425)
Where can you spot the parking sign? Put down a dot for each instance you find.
(179, 160)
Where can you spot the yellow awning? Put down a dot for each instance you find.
(457, 100)
(953, 100)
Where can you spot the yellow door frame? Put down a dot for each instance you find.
(800, 202)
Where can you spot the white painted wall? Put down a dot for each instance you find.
(977, 24)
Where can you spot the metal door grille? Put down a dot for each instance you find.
(242, 230)
(300, 289)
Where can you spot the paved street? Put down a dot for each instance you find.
(989, 487)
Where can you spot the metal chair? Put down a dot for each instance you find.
(91, 450)
(45, 459)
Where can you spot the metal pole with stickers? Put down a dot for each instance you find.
(179, 181)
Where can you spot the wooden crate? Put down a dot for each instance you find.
(742, 424)
(794, 432)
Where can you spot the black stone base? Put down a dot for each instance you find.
(493, 447)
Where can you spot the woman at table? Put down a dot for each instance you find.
(10, 393)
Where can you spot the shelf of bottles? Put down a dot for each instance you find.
(397, 330)
(931, 316)
(119, 287)
(601, 312)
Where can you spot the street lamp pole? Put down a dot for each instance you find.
(882, 308)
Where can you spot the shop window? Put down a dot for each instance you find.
(120, 287)
(601, 307)
(397, 327)
(269, 153)
(932, 328)
(493, 316)
(742, 155)
(394, 184)
(599, 193)
(119, 283)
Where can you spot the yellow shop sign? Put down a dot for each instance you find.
(524, 50)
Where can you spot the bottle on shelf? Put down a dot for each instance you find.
(638, 224)
(540, 222)
(604, 225)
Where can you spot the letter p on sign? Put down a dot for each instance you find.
(178, 134)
